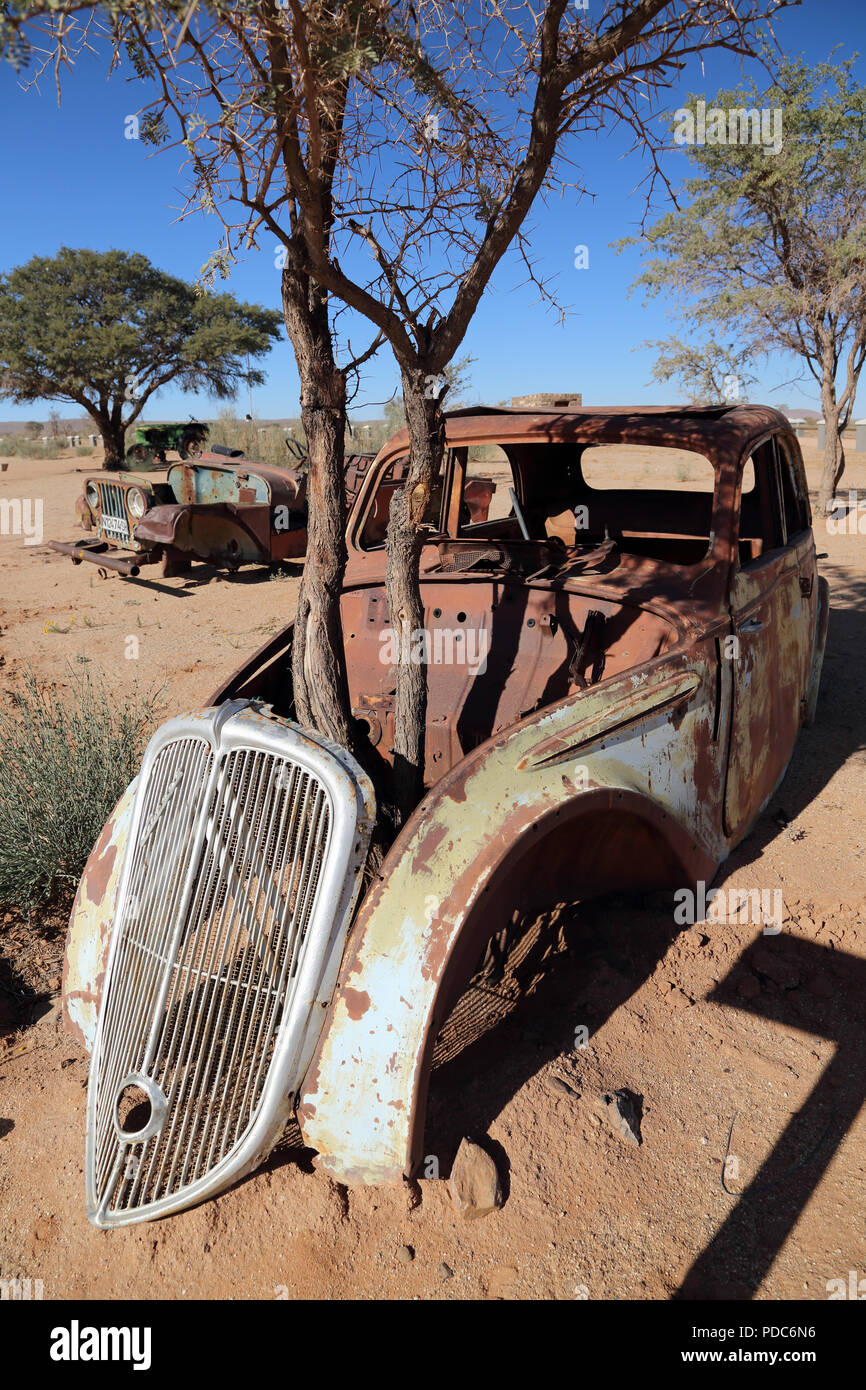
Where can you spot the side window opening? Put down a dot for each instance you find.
(761, 523)
(795, 504)
(379, 511)
(486, 498)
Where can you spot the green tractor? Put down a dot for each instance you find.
(153, 441)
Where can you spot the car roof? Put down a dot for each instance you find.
(716, 429)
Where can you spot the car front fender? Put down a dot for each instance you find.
(90, 924)
(619, 787)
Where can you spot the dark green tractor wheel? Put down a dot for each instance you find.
(190, 447)
(139, 456)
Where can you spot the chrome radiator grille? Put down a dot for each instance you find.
(114, 521)
(242, 867)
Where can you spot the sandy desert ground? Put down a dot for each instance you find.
(736, 1043)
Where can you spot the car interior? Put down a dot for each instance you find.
(558, 506)
(586, 499)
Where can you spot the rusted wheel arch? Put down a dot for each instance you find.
(605, 842)
(602, 840)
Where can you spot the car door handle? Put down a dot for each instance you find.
(751, 625)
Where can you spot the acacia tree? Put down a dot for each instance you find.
(398, 129)
(710, 372)
(105, 330)
(772, 246)
(257, 96)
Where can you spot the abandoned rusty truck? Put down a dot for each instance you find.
(224, 512)
(621, 654)
(223, 509)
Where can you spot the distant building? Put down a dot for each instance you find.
(547, 400)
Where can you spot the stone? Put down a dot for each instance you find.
(559, 1087)
(623, 1113)
(474, 1185)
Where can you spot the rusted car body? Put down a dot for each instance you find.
(643, 658)
(225, 513)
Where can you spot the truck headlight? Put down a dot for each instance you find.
(91, 492)
(136, 501)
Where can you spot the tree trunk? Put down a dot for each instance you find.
(113, 442)
(405, 538)
(834, 453)
(318, 656)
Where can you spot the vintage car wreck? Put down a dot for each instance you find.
(225, 512)
(649, 631)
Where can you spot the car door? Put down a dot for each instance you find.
(772, 617)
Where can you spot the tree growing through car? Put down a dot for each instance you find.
(454, 196)
(417, 136)
(104, 330)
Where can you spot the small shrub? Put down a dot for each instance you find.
(286, 570)
(66, 757)
(18, 446)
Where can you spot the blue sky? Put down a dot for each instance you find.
(71, 178)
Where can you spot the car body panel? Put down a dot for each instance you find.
(90, 923)
(515, 816)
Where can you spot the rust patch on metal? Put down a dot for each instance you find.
(357, 1003)
(98, 872)
(590, 754)
(605, 741)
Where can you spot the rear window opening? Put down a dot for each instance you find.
(774, 504)
(642, 468)
(651, 500)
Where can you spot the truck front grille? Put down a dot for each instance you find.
(113, 519)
